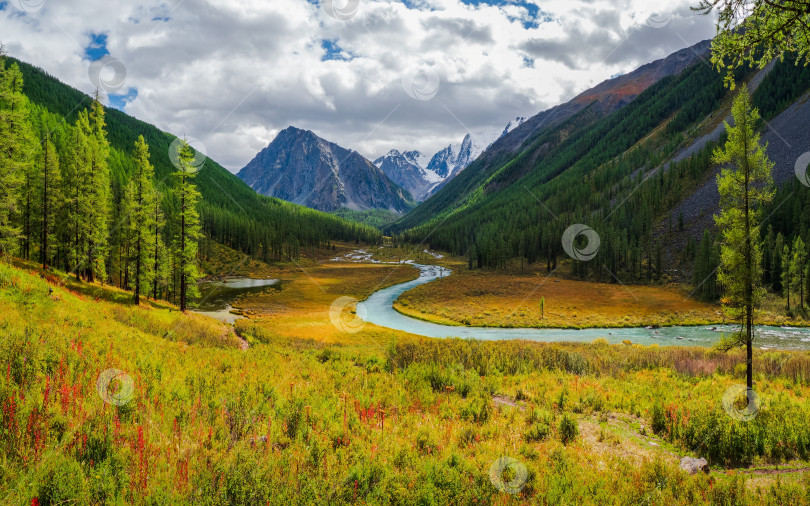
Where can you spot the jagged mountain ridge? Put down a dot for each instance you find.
(642, 176)
(409, 170)
(300, 167)
(589, 106)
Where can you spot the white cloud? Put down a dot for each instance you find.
(233, 73)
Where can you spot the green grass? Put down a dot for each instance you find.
(380, 417)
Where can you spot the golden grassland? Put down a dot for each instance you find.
(301, 309)
(313, 415)
(496, 299)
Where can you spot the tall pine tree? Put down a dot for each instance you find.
(16, 146)
(49, 200)
(188, 223)
(141, 227)
(744, 184)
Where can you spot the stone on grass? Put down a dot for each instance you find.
(692, 465)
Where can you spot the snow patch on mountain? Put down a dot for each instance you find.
(422, 175)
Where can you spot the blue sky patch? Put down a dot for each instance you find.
(97, 48)
(120, 100)
(334, 51)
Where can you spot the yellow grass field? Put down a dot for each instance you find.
(312, 413)
(301, 309)
(513, 300)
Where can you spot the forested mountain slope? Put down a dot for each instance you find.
(231, 212)
(622, 175)
(551, 126)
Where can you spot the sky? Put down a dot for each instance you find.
(370, 75)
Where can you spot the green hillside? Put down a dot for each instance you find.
(232, 213)
(613, 173)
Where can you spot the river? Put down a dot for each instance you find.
(378, 309)
(216, 297)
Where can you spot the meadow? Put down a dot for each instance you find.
(512, 299)
(314, 412)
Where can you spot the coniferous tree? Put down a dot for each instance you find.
(188, 223)
(786, 265)
(141, 227)
(27, 208)
(15, 150)
(705, 269)
(159, 250)
(776, 263)
(49, 200)
(74, 175)
(767, 257)
(123, 232)
(797, 268)
(744, 185)
(98, 195)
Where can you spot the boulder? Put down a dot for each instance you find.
(692, 465)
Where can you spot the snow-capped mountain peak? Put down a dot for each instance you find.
(423, 175)
(513, 124)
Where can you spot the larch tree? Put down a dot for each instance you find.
(797, 267)
(74, 173)
(16, 145)
(98, 194)
(49, 197)
(754, 32)
(121, 234)
(744, 184)
(188, 223)
(141, 216)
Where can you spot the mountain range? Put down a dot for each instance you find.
(300, 167)
(423, 176)
(631, 158)
(598, 102)
(305, 169)
(234, 215)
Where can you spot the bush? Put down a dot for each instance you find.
(62, 481)
(659, 420)
(425, 443)
(569, 430)
(537, 432)
(477, 410)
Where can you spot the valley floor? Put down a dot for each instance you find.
(321, 409)
(494, 299)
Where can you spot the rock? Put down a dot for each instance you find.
(652, 443)
(692, 465)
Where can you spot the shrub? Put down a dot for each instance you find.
(425, 442)
(62, 481)
(537, 432)
(659, 419)
(569, 429)
(478, 409)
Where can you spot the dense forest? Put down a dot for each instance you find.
(231, 213)
(106, 197)
(615, 174)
